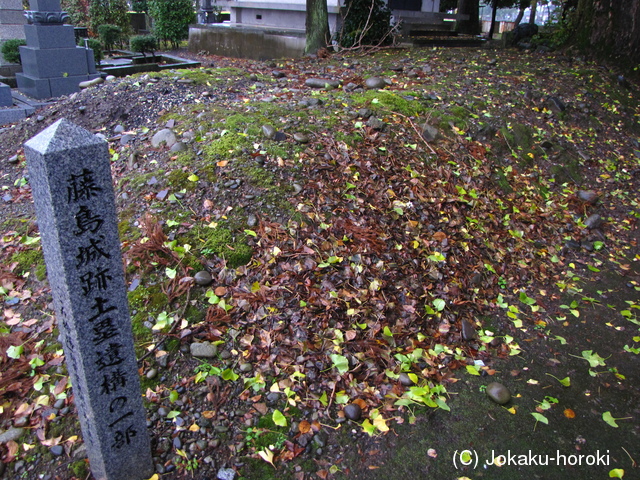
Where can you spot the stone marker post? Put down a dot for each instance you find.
(70, 177)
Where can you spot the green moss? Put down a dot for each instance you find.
(179, 180)
(382, 100)
(226, 146)
(222, 243)
(27, 259)
(80, 469)
(145, 302)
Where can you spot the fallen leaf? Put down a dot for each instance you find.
(569, 413)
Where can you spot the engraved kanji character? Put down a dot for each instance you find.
(121, 439)
(100, 307)
(109, 357)
(112, 381)
(104, 330)
(87, 221)
(91, 252)
(82, 186)
(98, 281)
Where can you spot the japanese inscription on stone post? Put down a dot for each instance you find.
(70, 176)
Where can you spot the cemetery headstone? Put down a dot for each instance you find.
(70, 177)
(12, 20)
(52, 63)
(6, 100)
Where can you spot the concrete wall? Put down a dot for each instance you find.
(245, 42)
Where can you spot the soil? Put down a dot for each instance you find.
(491, 216)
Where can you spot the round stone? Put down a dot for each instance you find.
(353, 411)
(246, 367)
(498, 393)
(152, 373)
(269, 132)
(301, 137)
(57, 450)
(203, 349)
(375, 82)
(165, 136)
(203, 278)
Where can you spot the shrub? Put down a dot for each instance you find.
(366, 23)
(143, 43)
(139, 6)
(11, 50)
(109, 35)
(171, 19)
(78, 11)
(111, 12)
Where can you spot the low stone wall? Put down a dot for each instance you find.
(246, 42)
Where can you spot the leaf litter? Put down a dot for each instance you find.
(386, 246)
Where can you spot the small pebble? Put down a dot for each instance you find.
(353, 411)
(498, 393)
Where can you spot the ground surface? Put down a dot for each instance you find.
(351, 248)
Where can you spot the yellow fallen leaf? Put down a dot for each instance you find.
(194, 428)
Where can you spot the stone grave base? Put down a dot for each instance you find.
(20, 107)
(43, 88)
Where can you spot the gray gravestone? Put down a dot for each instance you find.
(52, 63)
(70, 177)
(6, 100)
(12, 20)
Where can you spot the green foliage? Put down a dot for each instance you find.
(143, 44)
(366, 22)
(171, 19)
(109, 35)
(95, 45)
(139, 6)
(11, 50)
(108, 12)
(78, 11)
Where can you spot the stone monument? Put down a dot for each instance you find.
(70, 177)
(12, 20)
(52, 63)
(6, 100)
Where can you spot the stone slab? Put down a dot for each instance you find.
(45, 5)
(70, 176)
(8, 32)
(54, 63)
(51, 36)
(12, 17)
(43, 88)
(11, 4)
(5, 96)
(12, 115)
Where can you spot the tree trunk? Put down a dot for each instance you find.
(494, 10)
(610, 29)
(534, 8)
(471, 8)
(316, 26)
(520, 15)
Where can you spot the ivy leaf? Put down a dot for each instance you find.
(616, 473)
(540, 418)
(279, 419)
(607, 417)
(14, 351)
(340, 362)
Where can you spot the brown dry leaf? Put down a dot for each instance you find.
(12, 446)
(569, 413)
(304, 427)
(261, 408)
(361, 403)
(207, 204)
(220, 291)
(208, 414)
(439, 236)
(322, 474)
(222, 163)
(350, 335)
(315, 425)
